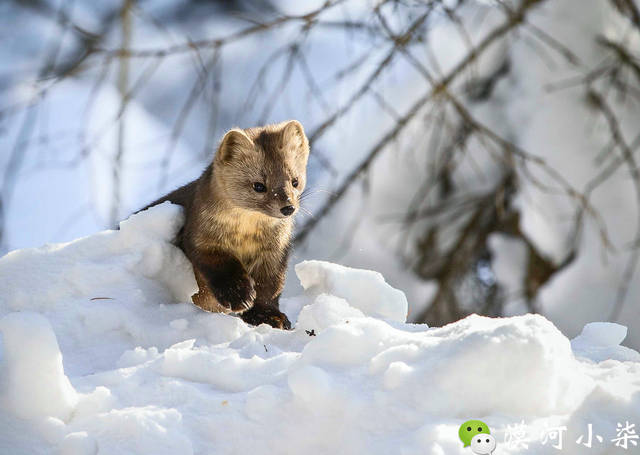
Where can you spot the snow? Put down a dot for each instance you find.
(600, 341)
(326, 311)
(79, 443)
(364, 289)
(101, 353)
(35, 383)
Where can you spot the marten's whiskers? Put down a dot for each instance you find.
(307, 212)
(313, 191)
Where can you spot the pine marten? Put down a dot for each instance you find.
(239, 220)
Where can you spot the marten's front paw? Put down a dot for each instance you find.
(237, 295)
(265, 314)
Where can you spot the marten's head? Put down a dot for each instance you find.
(263, 169)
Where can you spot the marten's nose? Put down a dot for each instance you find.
(287, 210)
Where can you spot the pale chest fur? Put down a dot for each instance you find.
(253, 238)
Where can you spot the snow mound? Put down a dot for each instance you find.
(101, 353)
(363, 289)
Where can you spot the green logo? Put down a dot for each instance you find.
(471, 428)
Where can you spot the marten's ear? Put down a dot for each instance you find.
(293, 133)
(234, 143)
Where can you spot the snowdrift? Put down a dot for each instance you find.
(101, 354)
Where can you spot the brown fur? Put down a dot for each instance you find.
(236, 238)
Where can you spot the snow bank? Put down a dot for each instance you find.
(147, 372)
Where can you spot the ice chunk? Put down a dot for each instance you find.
(603, 334)
(363, 289)
(34, 381)
(600, 341)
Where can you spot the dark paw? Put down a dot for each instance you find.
(263, 314)
(237, 295)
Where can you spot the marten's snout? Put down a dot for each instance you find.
(285, 197)
(287, 210)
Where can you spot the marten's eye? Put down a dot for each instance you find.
(294, 182)
(259, 187)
